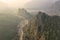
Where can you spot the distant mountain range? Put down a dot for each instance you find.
(55, 8)
(51, 7)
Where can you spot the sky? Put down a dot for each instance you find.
(47, 6)
(25, 3)
(13, 3)
(38, 4)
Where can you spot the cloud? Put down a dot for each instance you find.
(39, 4)
(11, 5)
(48, 6)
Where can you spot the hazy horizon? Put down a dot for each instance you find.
(36, 5)
(23, 3)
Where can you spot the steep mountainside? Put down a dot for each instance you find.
(43, 27)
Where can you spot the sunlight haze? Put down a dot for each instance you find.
(14, 3)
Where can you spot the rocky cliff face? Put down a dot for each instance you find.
(32, 31)
(42, 27)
